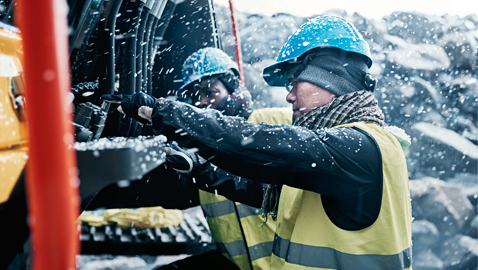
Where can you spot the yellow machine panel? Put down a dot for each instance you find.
(13, 151)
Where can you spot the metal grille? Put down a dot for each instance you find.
(192, 236)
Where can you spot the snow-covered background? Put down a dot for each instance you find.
(371, 9)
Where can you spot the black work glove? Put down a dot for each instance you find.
(178, 159)
(131, 103)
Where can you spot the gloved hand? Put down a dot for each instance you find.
(178, 159)
(131, 103)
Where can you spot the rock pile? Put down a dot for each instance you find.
(426, 67)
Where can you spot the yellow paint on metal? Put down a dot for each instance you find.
(12, 129)
(13, 140)
(12, 163)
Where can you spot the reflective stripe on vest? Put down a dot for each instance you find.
(233, 248)
(218, 208)
(238, 248)
(227, 207)
(256, 252)
(260, 250)
(329, 258)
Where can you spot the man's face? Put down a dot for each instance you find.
(305, 96)
(211, 94)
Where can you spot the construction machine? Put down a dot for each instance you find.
(115, 47)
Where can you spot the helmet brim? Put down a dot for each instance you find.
(274, 75)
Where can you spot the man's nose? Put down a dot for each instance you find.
(290, 97)
(204, 101)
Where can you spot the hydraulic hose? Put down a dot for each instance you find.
(145, 49)
(157, 12)
(150, 40)
(139, 46)
(107, 47)
(128, 48)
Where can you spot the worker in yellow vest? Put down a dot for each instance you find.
(340, 170)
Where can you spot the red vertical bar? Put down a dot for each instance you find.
(52, 179)
(238, 42)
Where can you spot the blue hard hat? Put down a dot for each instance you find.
(320, 32)
(204, 63)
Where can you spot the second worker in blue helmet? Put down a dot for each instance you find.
(211, 80)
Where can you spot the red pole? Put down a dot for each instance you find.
(238, 42)
(52, 178)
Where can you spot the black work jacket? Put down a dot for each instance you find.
(341, 164)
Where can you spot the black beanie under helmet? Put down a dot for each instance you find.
(335, 70)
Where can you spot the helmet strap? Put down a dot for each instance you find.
(370, 82)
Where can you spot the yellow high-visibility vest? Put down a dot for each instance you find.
(307, 239)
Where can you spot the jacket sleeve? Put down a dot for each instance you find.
(332, 162)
